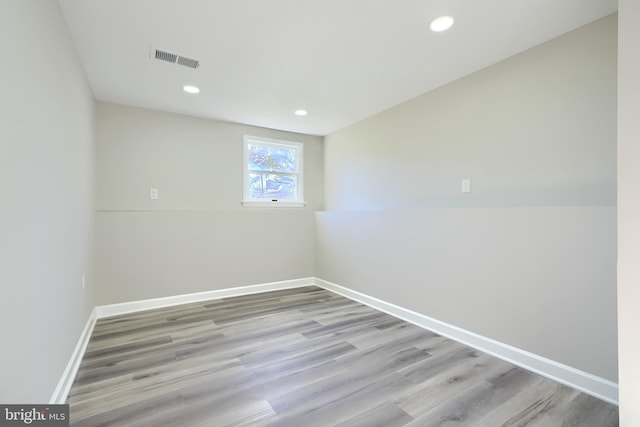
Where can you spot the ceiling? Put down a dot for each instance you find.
(342, 60)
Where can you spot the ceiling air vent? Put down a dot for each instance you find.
(188, 62)
(174, 58)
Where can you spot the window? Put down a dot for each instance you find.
(272, 172)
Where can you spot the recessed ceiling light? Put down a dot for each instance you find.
(191, 89)
(300, 112)
(441, 23)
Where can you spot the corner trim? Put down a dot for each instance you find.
(109, 310)
(593, 385)
(61, 391)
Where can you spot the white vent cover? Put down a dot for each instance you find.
(174, 58)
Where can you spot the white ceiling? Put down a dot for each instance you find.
(342, 60)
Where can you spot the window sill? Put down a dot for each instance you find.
(271, 204)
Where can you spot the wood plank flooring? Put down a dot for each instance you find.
(305, 357)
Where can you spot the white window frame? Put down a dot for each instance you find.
(247, 200)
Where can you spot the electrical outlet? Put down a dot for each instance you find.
(466, 186)
(84, 286)
(153, 194)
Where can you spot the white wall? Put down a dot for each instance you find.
(629, 212)
(47, 187)
(528, 257)
(196, 236)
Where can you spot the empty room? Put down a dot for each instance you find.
(320, 213)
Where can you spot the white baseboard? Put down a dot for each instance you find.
(148, 304)
(61, 392)
(593, 385)
(580, 380)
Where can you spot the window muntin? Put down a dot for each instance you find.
(272, 172)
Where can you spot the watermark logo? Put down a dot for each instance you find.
(34, 415)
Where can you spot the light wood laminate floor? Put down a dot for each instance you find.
(305, 357)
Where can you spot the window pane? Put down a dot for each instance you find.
(272, 186)
(272, 159)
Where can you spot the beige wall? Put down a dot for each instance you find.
(537, 129)
(48, 199)
(196, 164)
(540, 279)
(196, 236)
(629, 212)
(522, 258)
